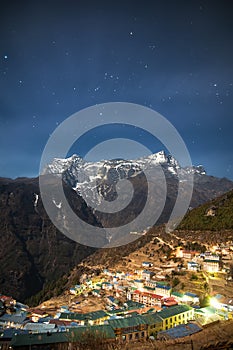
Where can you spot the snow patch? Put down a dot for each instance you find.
(36, 199)
(57, 205)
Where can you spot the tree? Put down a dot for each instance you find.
(205, 301)
(193, 277)
(175, 282)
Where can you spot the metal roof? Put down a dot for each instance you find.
(174, 310)
(71, 335)
(177, 294)
(152, 318)
(163, 286)
(39, 327)
(12, 318)
(126, 322)
(78, 333)
(90, 316)
(191, 295)
(180, 331)
(40, 338)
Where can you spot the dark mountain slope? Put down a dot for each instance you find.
(32, 250)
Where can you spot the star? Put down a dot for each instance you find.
(5, 57)
(152, 47)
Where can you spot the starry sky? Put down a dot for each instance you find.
(58, 57)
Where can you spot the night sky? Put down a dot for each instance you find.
(58, 57)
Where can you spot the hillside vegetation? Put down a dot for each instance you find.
(215, 215)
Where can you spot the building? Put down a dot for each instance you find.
(147, 264)
(89, 318)
(191, 298)
(163, 290)
(39, 327)
(179, 332)
(177, 296)
(175, 315)
(14, 321)
(150, 284)
(7, 300)
(211, 211)
(37, 314)
(154, 323)
(188, 254)
(63, 340)
(146, 275)
(107, 286)
(96, 293)
(139, 284)
(170, 301)
(129, 328)
(193, 266)
(147, 298)
(211, 265)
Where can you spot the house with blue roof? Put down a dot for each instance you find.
(147, 275)
(191, 298)
(163, 290)
(147, 264)
(193, 266)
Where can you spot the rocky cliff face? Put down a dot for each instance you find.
(32, 251)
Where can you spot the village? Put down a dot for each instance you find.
(133, 301)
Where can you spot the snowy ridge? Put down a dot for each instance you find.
(96, 179)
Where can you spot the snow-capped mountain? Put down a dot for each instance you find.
(77, 172)
(98, 180)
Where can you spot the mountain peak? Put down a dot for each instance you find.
(77, 164)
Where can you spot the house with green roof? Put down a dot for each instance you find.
(178, 296)
(129, 328)
(89, 318)
(154, 322)
(174, 315)
(62, 340)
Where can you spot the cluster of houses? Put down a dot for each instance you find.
(138, 287)
(32, 327)
(27, 328)
(196, 261)
(137, 307)
(214, 260)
